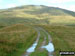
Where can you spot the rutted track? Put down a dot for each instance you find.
(32, 48)
(49, 47)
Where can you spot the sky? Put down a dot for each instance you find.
(65, 4)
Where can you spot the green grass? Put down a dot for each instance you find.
(63, 38)
(2, 27)
(38, 51)
(14, 40)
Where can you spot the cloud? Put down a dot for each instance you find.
(55, 1)
(0, 1)
(67, 4)
(71, 7)
(68, 7)
(45, 1)
(11, 5)
(22, 1)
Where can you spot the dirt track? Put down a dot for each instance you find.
(49, 47)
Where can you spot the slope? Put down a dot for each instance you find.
(36, 14)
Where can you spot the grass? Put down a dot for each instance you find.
(14, 40)
(36, 15)
(62, 20)
(38, 51)
(63, 38)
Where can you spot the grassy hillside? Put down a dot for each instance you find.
(14, 40)
(63, 38)
(36, 15)
(17, 33)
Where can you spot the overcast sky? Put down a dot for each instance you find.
(66, 4)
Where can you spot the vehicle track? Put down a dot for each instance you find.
(49, 47)
(32, 48)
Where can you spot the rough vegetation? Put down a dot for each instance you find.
(17, 32)
(14, 40)
(63, 38)
(37, 14)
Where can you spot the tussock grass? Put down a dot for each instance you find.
(63, 38)
(15, 43)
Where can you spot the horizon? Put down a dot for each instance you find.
(68, 4)
(36, 5)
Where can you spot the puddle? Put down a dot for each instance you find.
(32, 48)
(49, 47)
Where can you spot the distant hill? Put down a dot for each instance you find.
(36, 14)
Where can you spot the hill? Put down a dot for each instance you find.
(36, 14)
(17, 31)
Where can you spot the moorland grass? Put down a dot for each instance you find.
(63, 38)
(14, 40)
